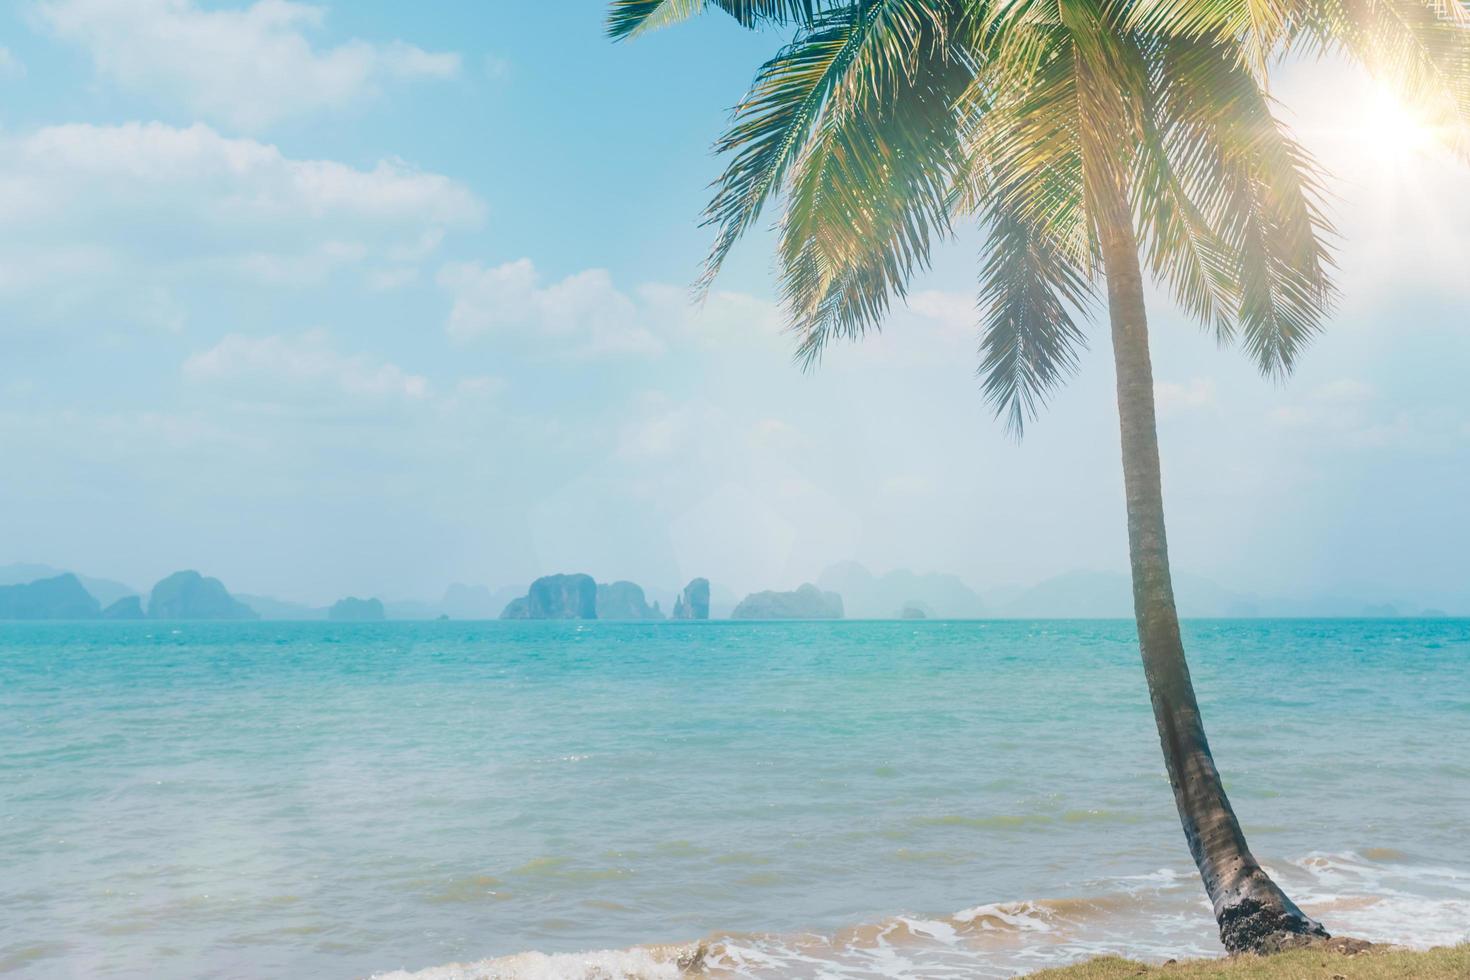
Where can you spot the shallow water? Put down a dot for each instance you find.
(812, 799)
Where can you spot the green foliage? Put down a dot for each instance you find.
(880, 124)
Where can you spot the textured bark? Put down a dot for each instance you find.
(1253, 913)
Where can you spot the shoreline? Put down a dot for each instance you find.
(1321, 961)
(1334, 959)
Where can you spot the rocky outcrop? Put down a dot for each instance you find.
(556, 597)
(807, 602)
(189, 595)
(693, 602)
(128, 607)
(62, 597)
(913, 610)
(625, 600)
(355, 610)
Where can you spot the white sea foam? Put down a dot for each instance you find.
(1150, 916)
(607, 964)
(1017, 916)
(1395, 901)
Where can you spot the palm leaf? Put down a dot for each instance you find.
(1257, 191)
(870, 192)
(630, 18)
(1030, 288)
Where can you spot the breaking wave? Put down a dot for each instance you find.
(1378, 894)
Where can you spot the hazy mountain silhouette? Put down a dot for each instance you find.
(866, 596)
(105, 591)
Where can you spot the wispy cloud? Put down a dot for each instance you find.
(584, 313)
(144, 206)
(1173, 397)
(10, 65)
(282, 368)
(249, 66)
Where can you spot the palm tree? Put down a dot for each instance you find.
(1091, 140)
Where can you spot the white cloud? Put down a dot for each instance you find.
(247, 66)
(307, 366)
(583, 313)
(774, 434)
(146, 203)
(954, 313)
(586, 313)
(497, 67)
(721, 319)
(907, 485)
(10, 65)
(1343, 391)
(1172, 397)
(240, 179)
(655, 437)
(1338, 405)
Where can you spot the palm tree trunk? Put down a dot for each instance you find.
(1253, 913)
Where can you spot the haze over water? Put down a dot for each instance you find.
(269, 799)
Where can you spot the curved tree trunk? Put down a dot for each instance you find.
(1253, 913)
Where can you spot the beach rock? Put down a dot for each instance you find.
(556, 597)
(62, 597)
(693, 602)
(624, 600)
(355, 610)
(807, 602)
(128, 607)
(189, 595)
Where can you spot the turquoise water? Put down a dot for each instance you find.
(812, 799)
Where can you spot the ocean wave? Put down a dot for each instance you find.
(638, 963)
(1376, 893)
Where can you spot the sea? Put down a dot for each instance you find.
(466, 800)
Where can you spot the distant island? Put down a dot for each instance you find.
(182, 595)
(62, 597)
(807, 602)
(625, 600)
(579, 596)
(556, 597)
(693, 602)
(355, 610)
(847, 590)
(189, 595)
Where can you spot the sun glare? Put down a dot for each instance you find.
(1392, 133)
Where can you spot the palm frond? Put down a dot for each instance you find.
(1180, 247)
(1024, 142)
(1257, 191)
(1030, 289)
(772, 123)
(630, 18)
(870, 192)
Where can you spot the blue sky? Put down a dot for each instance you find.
(356, 298)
